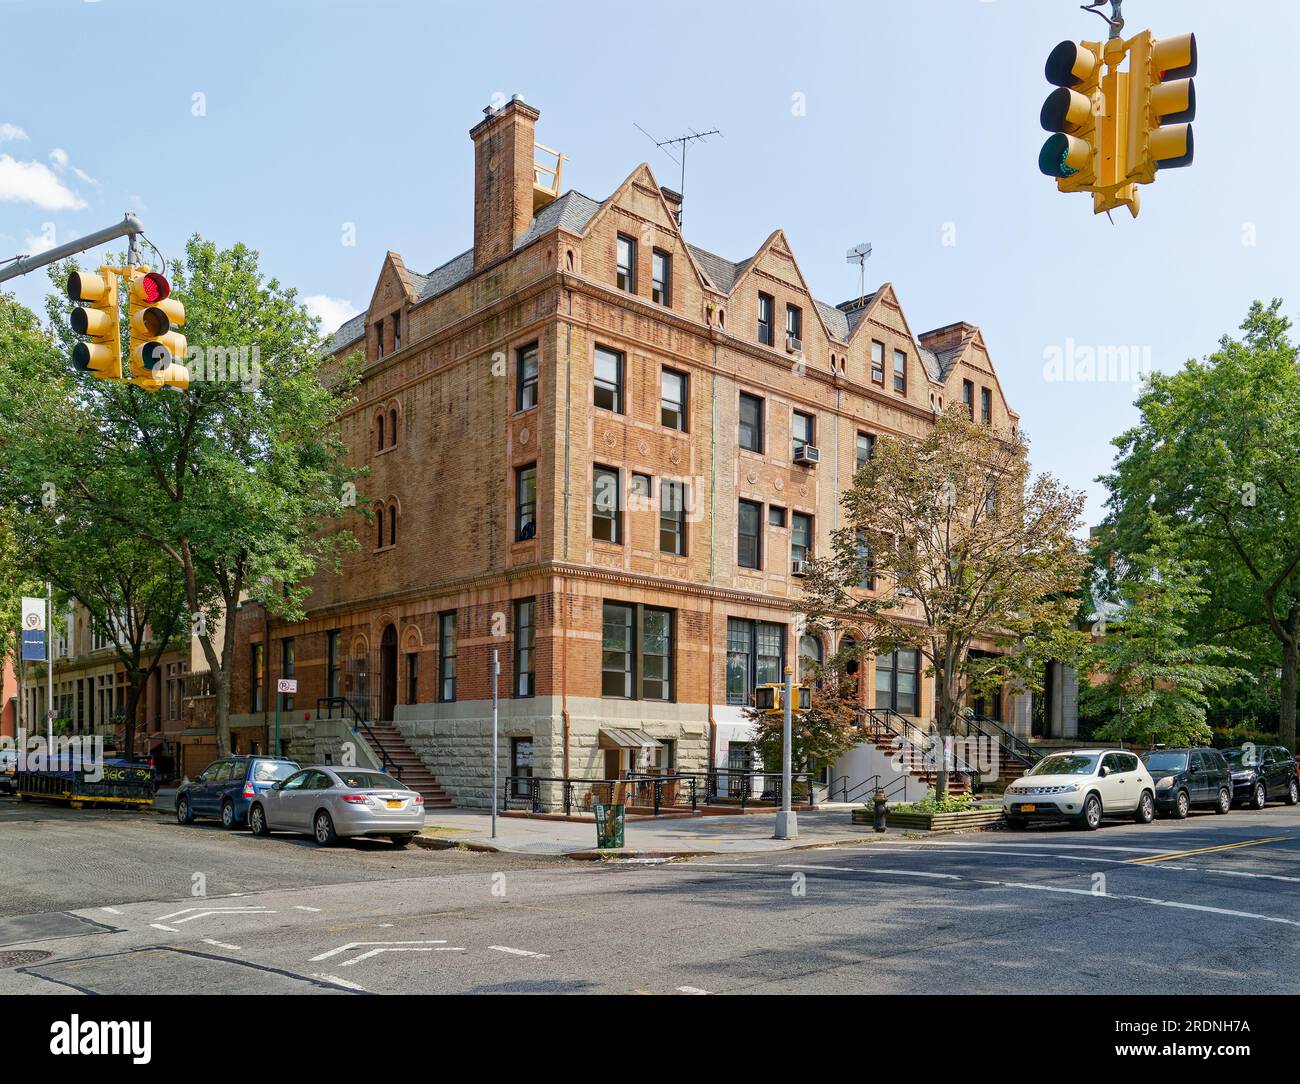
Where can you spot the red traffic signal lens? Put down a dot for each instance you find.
(154, 287)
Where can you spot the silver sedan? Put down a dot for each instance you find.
(330, 802)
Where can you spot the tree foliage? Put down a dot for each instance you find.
(963, 551)
(1216, 454)
(1151, 679)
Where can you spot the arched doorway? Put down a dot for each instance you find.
(388, 673)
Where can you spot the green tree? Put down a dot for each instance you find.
(1150, 677)
(961, 548)
(133, 592)
(240, 480)
(820, 735)
(1215, 453)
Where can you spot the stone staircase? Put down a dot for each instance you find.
(913, 759)
(411, 770)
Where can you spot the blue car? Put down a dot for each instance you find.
(227, 787)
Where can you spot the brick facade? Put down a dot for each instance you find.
(448, 469)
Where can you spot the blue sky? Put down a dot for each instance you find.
(278, 123)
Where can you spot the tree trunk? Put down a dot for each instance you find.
(1286, 713)
(129, 720)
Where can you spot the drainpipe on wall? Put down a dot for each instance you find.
(564, 668)
(713, 726)
(568, 411)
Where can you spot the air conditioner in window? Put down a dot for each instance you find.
(798, 567)
(793, 345)
(807, 456)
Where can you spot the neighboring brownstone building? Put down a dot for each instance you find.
(602, 452)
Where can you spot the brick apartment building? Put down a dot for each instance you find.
(90, 687)
(586, 441)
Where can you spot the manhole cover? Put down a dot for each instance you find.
(19, 957)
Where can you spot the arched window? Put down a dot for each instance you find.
(380, 424)
(810, 655)
(379, 528)
(392, 525)
(392, 427)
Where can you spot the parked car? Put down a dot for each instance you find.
(227, 786)
(1261, 772)
(330, 802)
(1082, 786)
(1187, 777)
(8, 769)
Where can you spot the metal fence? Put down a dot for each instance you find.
(674, 792)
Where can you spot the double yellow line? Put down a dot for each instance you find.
(1150, 859)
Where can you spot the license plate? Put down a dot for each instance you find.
(394, 804)
(1027, 808)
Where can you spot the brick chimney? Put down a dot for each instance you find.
(503, 178)
(946, 338)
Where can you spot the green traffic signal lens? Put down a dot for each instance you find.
(1052, 158)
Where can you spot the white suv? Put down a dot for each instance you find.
(1082, 785)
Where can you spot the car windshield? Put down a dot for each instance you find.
(1066, 764)
(272, 771)
(1242, 758)
(1165, 762)
(369, 780)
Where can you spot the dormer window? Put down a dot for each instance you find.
(397, 331)
(625, 277)
(379, 339)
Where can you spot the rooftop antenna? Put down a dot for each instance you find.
(860, 254)
(685, 141)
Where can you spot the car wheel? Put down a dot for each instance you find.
(323, 829)
(257, 822)
(1146, 810)
(1259, 796)
(1224, 804)
(184, 814)
(1091, 816)
(403, 840)
(1292, 793)
(1182, 806)
(228, 815)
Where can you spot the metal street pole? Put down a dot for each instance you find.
(278, 696)
(787, 824)
(49, 665)
(496, 673)
(128, 227)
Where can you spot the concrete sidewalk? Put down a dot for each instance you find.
(672, 837)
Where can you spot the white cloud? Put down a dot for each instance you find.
(60, 158)
(84, 177)
(333, 311)
(34, 182)
(36, 243)
(9, 132)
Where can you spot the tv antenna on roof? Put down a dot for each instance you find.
(685, 141)
(860, 254)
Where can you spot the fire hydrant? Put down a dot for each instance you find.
(881, 810)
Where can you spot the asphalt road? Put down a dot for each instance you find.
(1207, 905)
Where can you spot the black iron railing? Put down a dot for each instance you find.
(1015, 747)
(917, 742)
(348, 712)
(654, 792)
(866, 789)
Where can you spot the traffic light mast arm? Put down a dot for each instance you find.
(129, 227)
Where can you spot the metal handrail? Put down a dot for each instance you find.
(386, 762)
(903, 729)
(654, 783)
(1015, 746)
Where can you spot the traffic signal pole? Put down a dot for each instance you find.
(129, 227)
(787, 824)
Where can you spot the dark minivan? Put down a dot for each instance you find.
(1187, 777)
(1261, 772)
(226, 788)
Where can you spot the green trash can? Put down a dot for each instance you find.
(609, 825)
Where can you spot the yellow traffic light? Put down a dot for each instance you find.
(1162, 104)
(770, 699)
(155, 342)
(1070, 113)
(97, 317)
